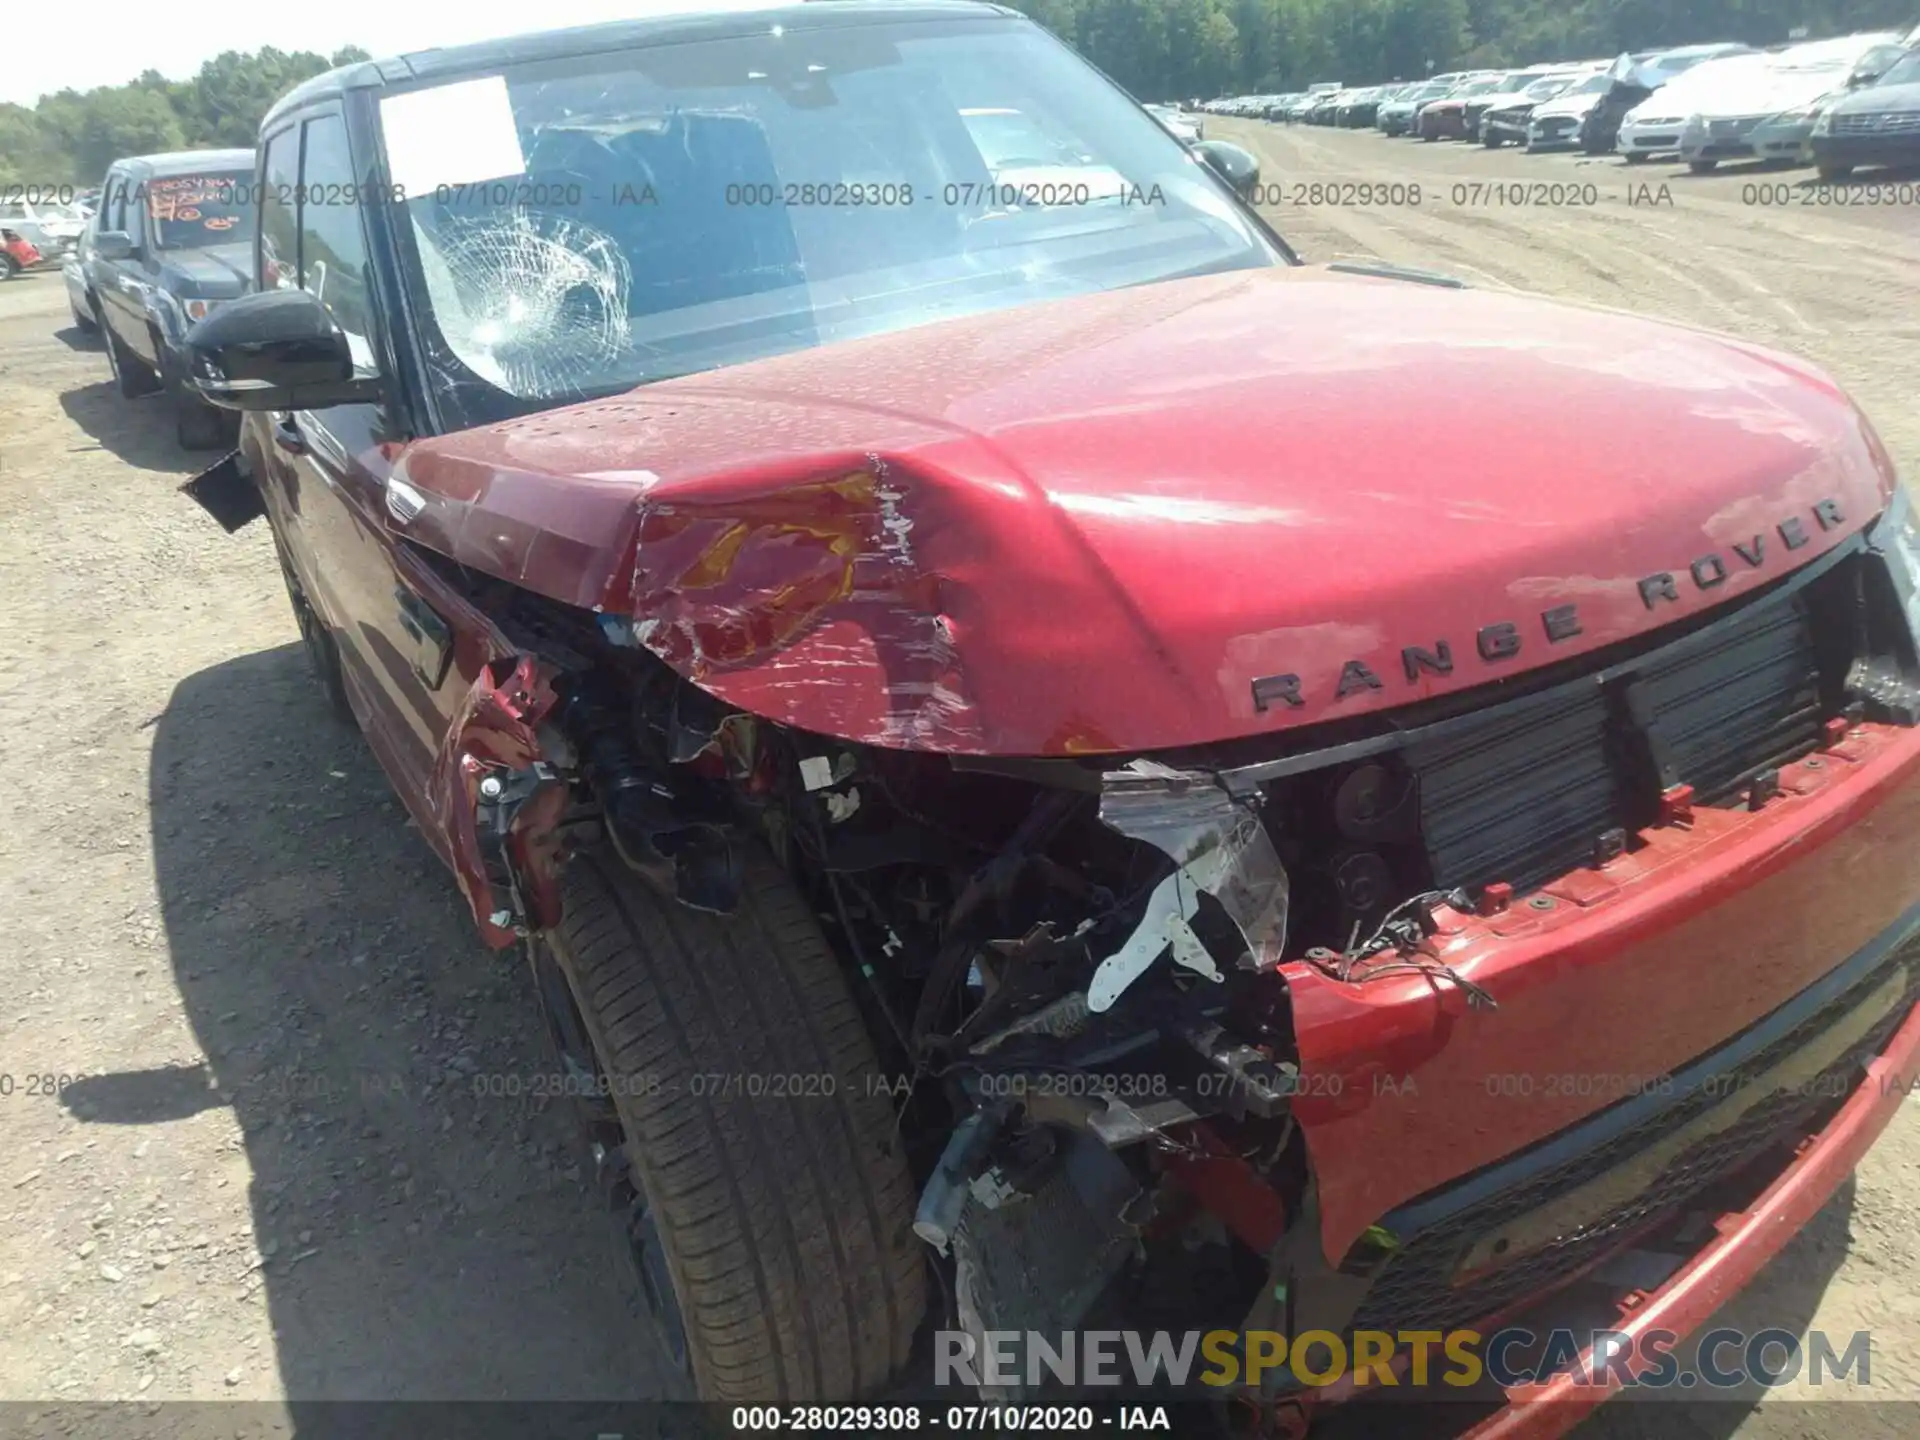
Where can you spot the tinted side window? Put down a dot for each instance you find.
(113, 203)
(333, 247)
(279, 234)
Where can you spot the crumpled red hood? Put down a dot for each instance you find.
(1169, 515)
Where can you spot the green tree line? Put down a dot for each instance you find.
(1168, 49)
(1158, 49)
(71, 136)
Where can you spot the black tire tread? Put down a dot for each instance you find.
(787, 1222)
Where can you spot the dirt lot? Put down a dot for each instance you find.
(269, 1176)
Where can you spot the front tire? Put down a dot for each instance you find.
(783, 1220)
(9, 267)
(1703, 167)
(1831, 173)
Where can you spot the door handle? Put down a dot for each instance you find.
(288, 437)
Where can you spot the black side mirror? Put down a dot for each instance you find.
(114, 245)
(275, 350)
(1237, 167)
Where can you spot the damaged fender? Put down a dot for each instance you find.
(498, 802)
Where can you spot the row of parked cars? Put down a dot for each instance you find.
(1836, 104)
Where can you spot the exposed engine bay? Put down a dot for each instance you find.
(1070, 968)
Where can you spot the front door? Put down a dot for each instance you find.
(120, 286)
(333, 466)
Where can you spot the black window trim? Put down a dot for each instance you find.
(403, 402)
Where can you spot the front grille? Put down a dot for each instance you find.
(1521, 793)
(1421, 1285)
(1747, 701)
(1520, 798)
(1905, 123)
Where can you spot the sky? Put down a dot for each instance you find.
(116, 40)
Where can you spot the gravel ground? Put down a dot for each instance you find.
(242, 1156)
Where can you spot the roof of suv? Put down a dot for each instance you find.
(186, 162)
(617, 35)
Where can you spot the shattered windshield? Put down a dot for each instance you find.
(579, 226)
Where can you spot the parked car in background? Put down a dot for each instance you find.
(1635, 78)
(1446, 118)
(1509, 89)
(73, 276)
(1555, 124)
(1396, 116)
(50, 225)
(1722, 116)
(1185, 128)
(1358, 110)
(17, 254)
(1653, 126)
(1877, 124)
(1324, 107)
(172, 242)
(1505, 114)
(1787, 138)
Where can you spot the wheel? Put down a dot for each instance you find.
(1702, 167)
(1637, 157)
(132, 374)
(1830, 173)
(771, 1232)
(1490, 140)
(198, 425)
(9, 267)
(323, 655)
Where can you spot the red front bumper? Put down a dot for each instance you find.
(1625, 974)
(1744, 1242)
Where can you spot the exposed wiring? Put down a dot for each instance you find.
(1404, 936)
(1478, 996)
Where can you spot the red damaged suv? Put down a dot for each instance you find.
(1042, 754)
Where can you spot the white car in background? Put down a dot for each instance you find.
(1721, 118)
(1185, 128)
(1504, 117)
(1653, 126)
(51, 228)
(1555, 124)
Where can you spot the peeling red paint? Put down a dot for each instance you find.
(494, 729)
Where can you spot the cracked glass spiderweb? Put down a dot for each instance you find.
(533, 302)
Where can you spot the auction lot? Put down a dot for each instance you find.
(245, 1155)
